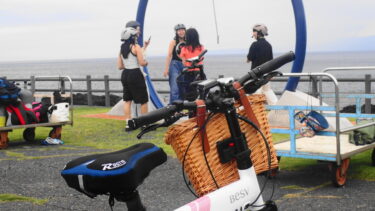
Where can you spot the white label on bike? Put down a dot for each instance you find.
(238, 195)
(110, 166)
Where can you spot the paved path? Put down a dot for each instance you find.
(34, 171)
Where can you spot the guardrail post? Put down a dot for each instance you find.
(62, 85)
(368, 91)
(89, 90)
(314, 88)
(106, 90)
(32, 81)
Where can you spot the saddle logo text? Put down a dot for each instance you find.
(110, 166)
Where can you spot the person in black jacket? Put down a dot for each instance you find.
(260, 52)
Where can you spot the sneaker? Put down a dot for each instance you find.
(52, 141)
(127, 128)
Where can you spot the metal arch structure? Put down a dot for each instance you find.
(300, 47)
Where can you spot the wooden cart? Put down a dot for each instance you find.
(329, 146)
(29, 129)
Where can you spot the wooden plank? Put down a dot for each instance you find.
(35, 125)
(325, 145)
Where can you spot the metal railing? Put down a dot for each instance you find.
(87, 87)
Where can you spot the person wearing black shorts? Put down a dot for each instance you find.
(129, 61)
(134, 86)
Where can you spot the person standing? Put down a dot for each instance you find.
(260, 52)
(130, 59)
(192, 49)
(173, 64)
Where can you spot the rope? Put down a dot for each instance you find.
(217, 31)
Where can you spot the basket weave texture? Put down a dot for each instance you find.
(180, 135)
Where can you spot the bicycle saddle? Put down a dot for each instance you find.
(117, 172)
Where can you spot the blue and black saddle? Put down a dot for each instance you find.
(115, 173)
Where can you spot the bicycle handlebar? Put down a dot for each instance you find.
(170, 110)
(159, 114)
(268, 67)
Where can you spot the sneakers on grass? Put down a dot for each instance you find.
(52, 141)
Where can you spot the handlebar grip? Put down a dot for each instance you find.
(202, 53)
(268, 66)
(152, 117)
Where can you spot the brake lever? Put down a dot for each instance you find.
(147, 129)
(167, 122)
(254, 85)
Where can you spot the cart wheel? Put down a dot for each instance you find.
(338, 173)
(55, 133)
(373, 157)
(29, 134)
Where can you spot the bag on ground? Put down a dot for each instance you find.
(18, 114)
(59, 112)
(40, 110)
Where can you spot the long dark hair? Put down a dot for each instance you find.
(126, 47)
(192, 39)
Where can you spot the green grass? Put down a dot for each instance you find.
(109, 134)
(14, 197)
(98, 133)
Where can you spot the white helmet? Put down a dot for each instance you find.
(261, 28)
(128, 33)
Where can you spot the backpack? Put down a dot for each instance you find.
(9, 92)
(364, 135)
(40, 110)
(19, 114)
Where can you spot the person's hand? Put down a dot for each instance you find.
(165, 73)
(147, 43)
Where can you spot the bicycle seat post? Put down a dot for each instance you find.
(132, 200)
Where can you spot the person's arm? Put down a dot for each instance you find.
(120, 63)
(139, 52)
(146, 44)
(169, 57)
(251, 54)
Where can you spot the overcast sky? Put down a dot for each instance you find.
(72, 29)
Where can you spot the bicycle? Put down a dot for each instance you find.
(120, 173)
(189, 73)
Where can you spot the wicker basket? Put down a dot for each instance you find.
(180, 135)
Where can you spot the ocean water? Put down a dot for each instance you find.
(215, 65)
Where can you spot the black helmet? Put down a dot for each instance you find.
(133, 24)
(179, 26)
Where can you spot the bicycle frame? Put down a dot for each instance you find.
(243, 194)
(236, 196)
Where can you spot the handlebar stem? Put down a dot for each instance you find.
(242, 150)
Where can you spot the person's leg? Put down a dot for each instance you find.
(144, 108)
(175, 69)
(269, 93)
(127, 111)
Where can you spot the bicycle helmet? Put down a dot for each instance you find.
(179, 26)
(128, 33)
(261, 28)
(133, 24)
